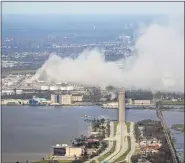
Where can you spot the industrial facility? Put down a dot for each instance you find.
(60, 151)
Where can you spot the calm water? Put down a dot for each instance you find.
(29, 132)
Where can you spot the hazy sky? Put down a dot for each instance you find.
(93, 7)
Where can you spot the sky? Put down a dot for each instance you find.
(92, 7)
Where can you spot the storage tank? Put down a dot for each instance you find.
(19, 91)
(8, 92)
(53, 88)
(44, 87)
(63, 88)
(70, 88)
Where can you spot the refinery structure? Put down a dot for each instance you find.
(26, 89)
(22, 89)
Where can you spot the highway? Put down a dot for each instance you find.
(160, 116)
(133, 143)
(121, 143)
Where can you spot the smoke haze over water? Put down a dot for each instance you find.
(157, 65)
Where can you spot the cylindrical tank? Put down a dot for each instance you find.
(44, 87)
(53, 88)
(8, 92)
(63, 88)
(19, 91)
(70, 88)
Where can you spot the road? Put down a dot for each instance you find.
(133, 143)
(121, 143)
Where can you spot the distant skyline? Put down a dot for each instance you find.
(168, 8)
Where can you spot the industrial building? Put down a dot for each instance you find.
(14, 102)
(67, 151)
(142, 102)
(77, 97)
(38, 101)
(54, 99)
(65, 99)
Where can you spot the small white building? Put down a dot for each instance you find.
(110, 105)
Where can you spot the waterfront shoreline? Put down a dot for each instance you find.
(30, 123)
(90, 104)
(178, 127)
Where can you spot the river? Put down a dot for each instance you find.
(28, 133)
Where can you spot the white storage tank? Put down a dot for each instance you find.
(70, 88)
(44, 87)
(8, 92)
(40, 81)
(53, 88)
(19, 91)
(63, 88)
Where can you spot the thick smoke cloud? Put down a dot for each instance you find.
(157, 65)
(89, 68)
(160, 62)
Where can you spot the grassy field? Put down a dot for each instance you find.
(128, 126)
(170, 102)
(115, 127)
(108, 153)
(116, 124)
(178, 127)
(122, 157)
(59, 161)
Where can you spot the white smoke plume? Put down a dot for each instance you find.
(157, 65)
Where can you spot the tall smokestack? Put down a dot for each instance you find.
(121, 107)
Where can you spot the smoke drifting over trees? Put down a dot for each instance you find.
(157, 65)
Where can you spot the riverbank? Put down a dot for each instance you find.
(51, 105)
(170, 102)
(178, 127)
(165, 108)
